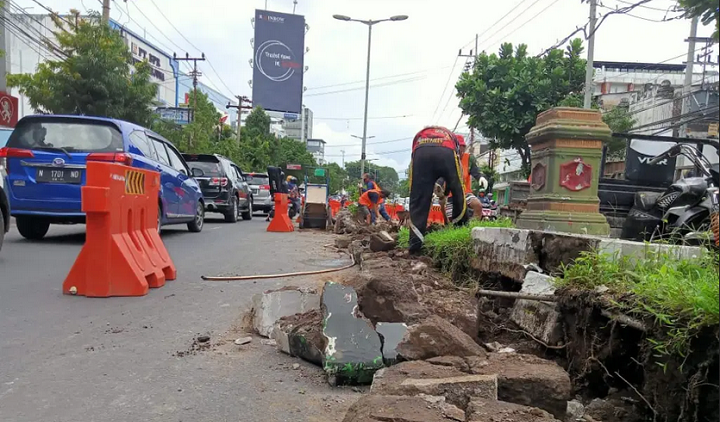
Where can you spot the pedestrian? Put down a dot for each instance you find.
(470, 170)
(435, 155)
(369, 204)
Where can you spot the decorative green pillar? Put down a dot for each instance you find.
(566, 146)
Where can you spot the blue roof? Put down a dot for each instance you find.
(121, 124)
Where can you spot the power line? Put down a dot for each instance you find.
(511, 21)
(371, 143)
(531, 19)
(378, 79)
(496, 22)
(445, 88)
(371, 86)
(360, 118)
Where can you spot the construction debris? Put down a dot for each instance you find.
(272, 305)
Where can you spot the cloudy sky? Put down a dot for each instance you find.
(414, 63)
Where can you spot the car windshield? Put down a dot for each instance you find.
(257, 179)
(4, 136)
(71, 135)
(209, 168)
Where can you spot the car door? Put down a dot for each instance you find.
(243, 188)
(190, 189)
(171, 191)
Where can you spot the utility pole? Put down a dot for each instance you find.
(687, 86)
(4, 58)
(106, 11)
(240, 107)
(468, 66)
(589, 69)
(194, 73)
(342, 151)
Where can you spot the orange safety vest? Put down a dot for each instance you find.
(466, 180)
(365, 199)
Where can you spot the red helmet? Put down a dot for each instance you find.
(460, 140)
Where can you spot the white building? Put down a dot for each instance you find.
(26, 45)
(293, 127)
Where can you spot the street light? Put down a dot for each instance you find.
(369, 24)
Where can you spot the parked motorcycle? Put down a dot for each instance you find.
(685, 212)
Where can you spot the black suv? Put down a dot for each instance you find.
(223, 186)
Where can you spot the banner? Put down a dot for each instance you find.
(278, 61)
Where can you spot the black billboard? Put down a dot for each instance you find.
(278, 61)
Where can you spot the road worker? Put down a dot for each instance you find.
(369, 204)
(435, 155)
(470, 170)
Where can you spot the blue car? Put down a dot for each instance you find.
(45, 159)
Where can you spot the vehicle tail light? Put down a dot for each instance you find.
(112, 157)
(219, 181)
(264, 187)
(7, 152)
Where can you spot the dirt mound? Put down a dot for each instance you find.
(399, 290)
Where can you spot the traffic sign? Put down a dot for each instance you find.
(8, 110)
(294, 167)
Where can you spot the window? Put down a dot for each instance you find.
(142, 143)
(238, 173)
(162, 155)
(175, 161)
(72, 135)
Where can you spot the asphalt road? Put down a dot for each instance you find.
(77, 359)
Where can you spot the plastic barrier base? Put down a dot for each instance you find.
(281, 221)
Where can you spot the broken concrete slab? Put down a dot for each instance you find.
(503, 250)
(527, 380)
(452, 361)
(491, 411)
(435, 337)
(381, 242)
(354, 351)
(270, 306)
(538, 318)
(391, 333)
(418, 377)
(301, 335)
(386, 408)
(507, 250)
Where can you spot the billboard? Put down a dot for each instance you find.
(278, 61)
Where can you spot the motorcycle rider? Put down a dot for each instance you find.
(294, 193)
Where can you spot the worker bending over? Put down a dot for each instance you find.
(369, 204)
(470, 170)
(435, 155)
(369, 183)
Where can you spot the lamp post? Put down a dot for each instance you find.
(369, 24)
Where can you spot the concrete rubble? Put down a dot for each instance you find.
(491, 411)
(391, 333)
(434, 337)
(301, 335)
(270, 306)
(382, 241)
(540, 319)
(376, 408)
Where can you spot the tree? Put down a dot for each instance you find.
(338, 177)
(95, 77)
(198, 136)
(706, 10)
(506, 91)
(386, 177)
(620, 121)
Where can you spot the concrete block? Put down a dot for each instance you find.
(503, 250)
(538, 318)
(374, 408)
(481, 410)
(639, 250)
(272, 305)
(392, 333)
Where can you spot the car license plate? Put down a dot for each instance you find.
(52, 175)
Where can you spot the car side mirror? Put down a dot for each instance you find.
(196, 172)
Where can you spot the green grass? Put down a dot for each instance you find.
(682, 295)
(451, 248)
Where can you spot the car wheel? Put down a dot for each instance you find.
(247, 215)
(196, 225)
(32, 228)
(231, 216)
(159, 219)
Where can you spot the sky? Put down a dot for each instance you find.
(414, 63)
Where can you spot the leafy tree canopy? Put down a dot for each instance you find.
(94, 78)
(386, 177)
(504, 92)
